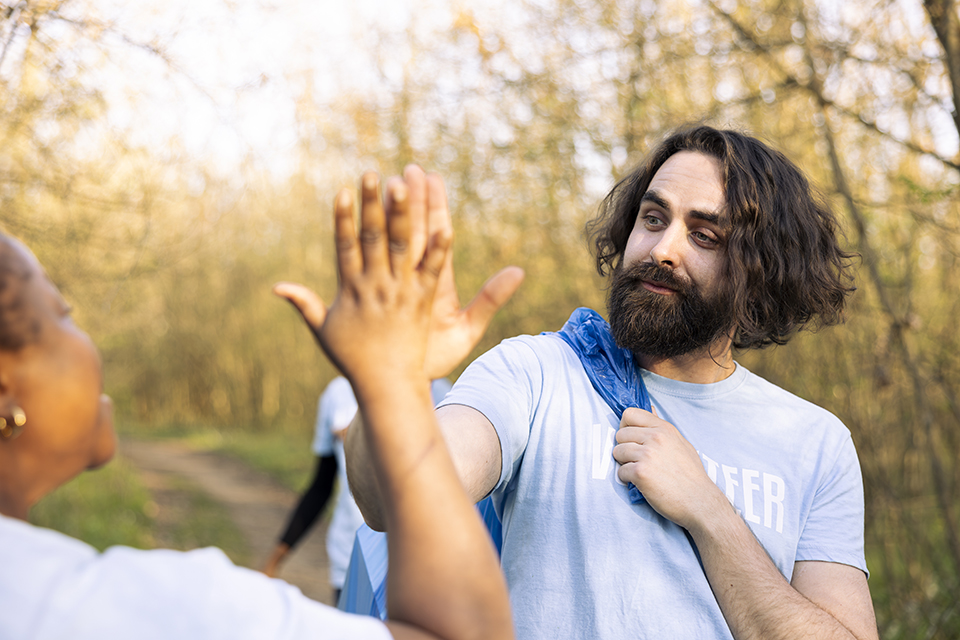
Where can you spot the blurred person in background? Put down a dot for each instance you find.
(335, 411)
(55, 423)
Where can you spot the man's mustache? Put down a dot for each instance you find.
(650, 272)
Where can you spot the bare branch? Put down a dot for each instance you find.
(817, 90)
(945, 19)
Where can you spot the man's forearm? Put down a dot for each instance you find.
(361, 476)
(756, 600)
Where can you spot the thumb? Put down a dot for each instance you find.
(494, 294)
(308, 303)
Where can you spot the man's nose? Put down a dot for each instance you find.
(669, 247)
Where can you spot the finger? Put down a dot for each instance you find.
(388, 203)
(373, 231)
(627, 452)
(416, 181)
(431, 268)
(438, 211)
(308, 303)
(636, 417)
(438, 221)
(628, 472)
(398, 227)
(493, 295)
(349, 259)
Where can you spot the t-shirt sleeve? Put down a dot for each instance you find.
(439, 388)
(833, 530)
(504, 385)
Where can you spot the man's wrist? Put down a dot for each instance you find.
(715, 517)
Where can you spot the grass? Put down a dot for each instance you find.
(113, 506)
(107, 507)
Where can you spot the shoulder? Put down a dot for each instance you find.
(339, 386)
(34, 555)
(509, 382)
(543, 349)
(779, 400)
(337, 395)
(126, 592)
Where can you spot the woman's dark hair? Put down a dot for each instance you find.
(783, 265)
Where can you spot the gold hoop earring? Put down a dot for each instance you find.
(10, 429)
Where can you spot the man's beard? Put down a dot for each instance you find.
(663, 326)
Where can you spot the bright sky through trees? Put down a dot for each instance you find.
(230, 72)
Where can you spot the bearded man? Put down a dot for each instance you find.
(648, 485)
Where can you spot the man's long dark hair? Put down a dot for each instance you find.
(783, 267)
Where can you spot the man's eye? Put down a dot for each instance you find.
(704, 238)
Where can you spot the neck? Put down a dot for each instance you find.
(13, 508)
(713, 364)
(18, 491)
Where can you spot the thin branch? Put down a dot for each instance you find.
(821, 97)
(897, 326)
(945, 19)
(14, 18)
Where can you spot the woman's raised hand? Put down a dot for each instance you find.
(381, 315)
(397, 283)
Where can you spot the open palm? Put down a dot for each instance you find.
(454, 330)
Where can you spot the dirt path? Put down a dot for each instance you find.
(257, 503)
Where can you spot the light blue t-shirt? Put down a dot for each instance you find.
(581, 561)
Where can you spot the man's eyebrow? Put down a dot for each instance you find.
(654, 196)
(711, 217)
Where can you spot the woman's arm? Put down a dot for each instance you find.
(445, 580)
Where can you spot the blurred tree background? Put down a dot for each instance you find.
(531, 110)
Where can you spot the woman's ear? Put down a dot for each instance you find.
(13, 426)
(13, 420)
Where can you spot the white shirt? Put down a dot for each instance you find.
(55, 587)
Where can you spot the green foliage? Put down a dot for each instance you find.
(107, 507)
(112, 506)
